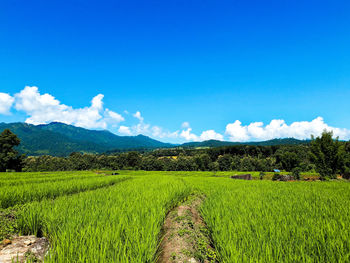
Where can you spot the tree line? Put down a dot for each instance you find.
(324, 154)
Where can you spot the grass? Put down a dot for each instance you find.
(28, 192)
(120, 220)
(278, 222)
(118, 224)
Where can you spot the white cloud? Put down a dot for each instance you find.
(279, 129)
(150, 130)
(141, 128)
(125, 130)
(45, 108)
(138, 116)
(114, 116)
(211, 135)
(236, 132)
(185, 125)
(188, 135)
(205, 135)
(160, 133)
(6, 102)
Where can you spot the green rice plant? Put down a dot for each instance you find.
(247, 221)
(264, 221)
(46, 179)
(117, 224)
(20, 194)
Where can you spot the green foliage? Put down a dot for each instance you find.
(345, 171)
(327, 154)
(276, 176)
(237, 157)
(214, 166)
(225, 162)
(261, 175)
(296, 173)
(8, 224)
(289, 160)
(9, 158)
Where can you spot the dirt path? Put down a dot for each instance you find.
(185, 236)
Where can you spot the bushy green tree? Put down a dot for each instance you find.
(202, 161)
(9, 157)
(133, 160)
(214, 166)
(261, 175)
(346, 164)
(289, 160)
(247, 164)
(225, 162)
(296, 173)
(327, 154)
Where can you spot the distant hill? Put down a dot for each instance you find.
(60, 139)
(216, 143)
(209, 143)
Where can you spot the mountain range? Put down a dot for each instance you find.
(60, 139)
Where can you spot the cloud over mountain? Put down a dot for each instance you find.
(6, 102)
(45, 108)
(279, 129)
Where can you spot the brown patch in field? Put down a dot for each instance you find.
(184, 239)
(22, 248)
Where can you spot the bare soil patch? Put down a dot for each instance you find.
(185, 236)
(22, 248)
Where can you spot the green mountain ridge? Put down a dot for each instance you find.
(59, 139)
(216, 143)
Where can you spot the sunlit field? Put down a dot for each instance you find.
(106, 217)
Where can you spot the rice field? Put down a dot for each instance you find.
(100, 217)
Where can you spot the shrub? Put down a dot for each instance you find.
(276, 176)
(296, 173)
(261, 175)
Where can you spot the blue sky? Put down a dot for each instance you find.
(207, 63)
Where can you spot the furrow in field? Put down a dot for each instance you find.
(21, 194)
(41, 175)
(14, 182)
(185, 235)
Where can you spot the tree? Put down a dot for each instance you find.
(247, 164)
(202, 161)
(289, 160)
(9, 157)
(133, 160)
(296, 173)
(261, 175)
(327, 154)
(225, 162)
(214, 166)
(346, 165)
